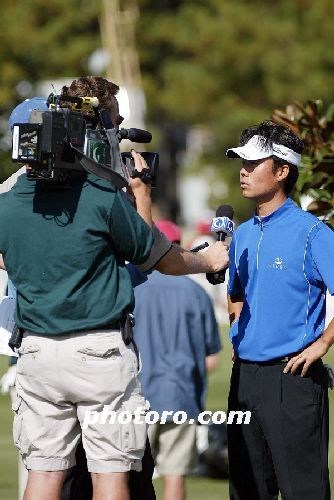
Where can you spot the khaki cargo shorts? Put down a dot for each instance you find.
(173, 447)
(59, 380)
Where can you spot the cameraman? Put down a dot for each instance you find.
(66, 257)
(164, 257)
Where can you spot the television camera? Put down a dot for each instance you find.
(74, 134)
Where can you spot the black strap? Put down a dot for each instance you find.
(101, 170)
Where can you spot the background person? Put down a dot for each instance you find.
(281, 265)
(178, 338)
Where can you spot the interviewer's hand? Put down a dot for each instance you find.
(217, 257)
(315, 351)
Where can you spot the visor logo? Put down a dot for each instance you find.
(278, 150)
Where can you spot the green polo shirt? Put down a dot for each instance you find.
(65, 251)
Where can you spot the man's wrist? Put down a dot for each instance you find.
(141, 194)
(326, 341)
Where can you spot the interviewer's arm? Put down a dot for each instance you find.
(179, 261)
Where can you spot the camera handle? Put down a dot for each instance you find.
(145, 175)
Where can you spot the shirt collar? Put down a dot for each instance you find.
(277, 215)
(23, 185)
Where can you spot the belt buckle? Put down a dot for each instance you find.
(286, 359)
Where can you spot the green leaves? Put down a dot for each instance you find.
(315, 124)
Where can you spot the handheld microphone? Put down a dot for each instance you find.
(223, 226)
(200, 247)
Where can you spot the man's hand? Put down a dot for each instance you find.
(216, 257)
(141, 191)
(315, 351)
(138, 187)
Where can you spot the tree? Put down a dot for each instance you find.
(226, 65)
(38, 41)
(315, 125)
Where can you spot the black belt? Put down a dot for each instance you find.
(116, 325)
(284, 359)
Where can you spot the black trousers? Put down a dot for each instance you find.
(285, 446)
(78, 484)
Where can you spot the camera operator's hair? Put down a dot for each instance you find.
(278, 134)
(92, 86)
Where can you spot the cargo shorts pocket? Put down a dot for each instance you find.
(102, 353)
(134, 426)
(19, 436)
(29, 350)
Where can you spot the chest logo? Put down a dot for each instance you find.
(278, 264)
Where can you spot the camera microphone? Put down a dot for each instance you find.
(223, 226)
(135, 135)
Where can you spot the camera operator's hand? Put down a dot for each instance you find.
(137, 185)
(141, 191)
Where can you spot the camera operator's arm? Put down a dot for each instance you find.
(141, 191)
(167, 258)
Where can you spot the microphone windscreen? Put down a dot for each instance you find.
(225, 211)
(138, 135)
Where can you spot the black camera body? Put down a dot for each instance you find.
(152, 160)
(60, 140)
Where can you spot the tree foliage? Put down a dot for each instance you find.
(38, 41)
(226, 65)
(315, 125)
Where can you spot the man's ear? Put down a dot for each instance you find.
(282, 172)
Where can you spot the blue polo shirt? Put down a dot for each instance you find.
(282, 264)
(175, 330)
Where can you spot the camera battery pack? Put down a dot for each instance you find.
(26, 142)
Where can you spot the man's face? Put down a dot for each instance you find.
(257, 180)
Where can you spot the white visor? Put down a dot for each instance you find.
(256, 149)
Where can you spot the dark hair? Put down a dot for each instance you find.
(93, 86)
(276, 133)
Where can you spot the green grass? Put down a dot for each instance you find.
(197, 488)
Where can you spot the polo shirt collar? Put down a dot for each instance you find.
(278, 214)
(24, 186)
